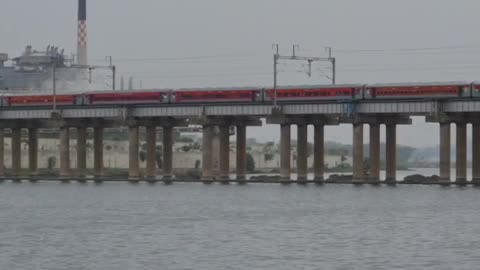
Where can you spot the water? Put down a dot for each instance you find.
(257, 226)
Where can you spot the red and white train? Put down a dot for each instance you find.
(463, 90)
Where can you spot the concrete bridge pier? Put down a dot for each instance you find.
(241, 168)
(81, 151)
(207, 154)
(16, 151)
(151, 168)
(319, 153)
(461, 154)
(445, 152)
(285, 154)
(98, 152)
(33, 150)
(391, 153)
(374, 152)
(2, 153)
(133, 153)
(302, 153)
(358, 167)
(224, 162)
(64, 152)
(476, 153)
(167, 152)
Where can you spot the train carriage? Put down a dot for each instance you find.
(216, 95)
(308, 93)
(39, 100)
(124, 97)
(418, 90)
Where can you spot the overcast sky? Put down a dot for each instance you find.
(186, 43)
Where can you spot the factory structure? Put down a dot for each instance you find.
(36, 70)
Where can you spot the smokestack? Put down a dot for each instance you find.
(82, 33)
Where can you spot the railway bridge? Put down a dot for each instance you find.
(212, 116)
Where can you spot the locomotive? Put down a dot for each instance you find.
(290, 94)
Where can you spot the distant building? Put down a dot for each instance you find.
(33, 70)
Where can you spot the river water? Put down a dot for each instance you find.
(257, 226)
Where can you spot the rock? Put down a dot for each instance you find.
(340, 178)
(265, 178)
(419, 179)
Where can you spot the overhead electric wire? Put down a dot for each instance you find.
(452, 47)
(183, 58)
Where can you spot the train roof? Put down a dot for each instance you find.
(125, 91)
(218, 89)
(420, 84)
(321, 86)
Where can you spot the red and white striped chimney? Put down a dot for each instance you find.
(82, 33)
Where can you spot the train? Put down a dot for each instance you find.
(290, 94)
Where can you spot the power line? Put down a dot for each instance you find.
(182, 58)
(456, 47)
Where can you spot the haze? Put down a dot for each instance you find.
(228, 43)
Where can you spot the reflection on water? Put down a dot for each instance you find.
(256, 226)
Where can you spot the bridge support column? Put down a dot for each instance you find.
(461, 160)
(445, 152)
(16, 151)
(302, 155)
(207, 154)
(391, 153)
(476, 153)
(319, 153)
(81, 151)
(98, 151)
(2, 153)
(64, 152)
(224, 162)
(241, 167)
(374, 152)
(358, 170)
(151, 169)
(33, 151)
(285, 154)
(133, 162)
(167, 152)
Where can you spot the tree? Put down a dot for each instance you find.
(51, 162)
(184, 139)
(250, 163)
(186, 148)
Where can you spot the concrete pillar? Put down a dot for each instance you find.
(81, 151)
(461, 160)
(476, 152)
(358, 168)
(319, 153)
(33, 150)
(391, 153)
(224, 153)
(2, 153)
(285, 154)
(302, 153)
(207, 153)
(64, 152)
(98, 151)
(241, 153)
(167, 152)
(216, 152)
(133, 152)
(16, 151)
(374, 152)
(445, 152)
(151, 170)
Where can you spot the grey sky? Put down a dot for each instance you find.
(240, 35)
